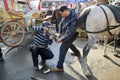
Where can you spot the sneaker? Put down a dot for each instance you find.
(56, 69)
(36, 68)
(1, 59)
(74, 54)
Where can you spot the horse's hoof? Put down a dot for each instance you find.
(88, 75)
(105, 56)
(116, 55)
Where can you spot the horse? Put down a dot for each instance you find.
(99, 22)
(56, 17)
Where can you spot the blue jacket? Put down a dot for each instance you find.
(68, 26)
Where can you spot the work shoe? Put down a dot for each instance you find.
(74, 54)
(36, 68)
(56, 69)
(1, 59)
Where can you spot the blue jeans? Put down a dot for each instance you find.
(64, 48)
(44, 53)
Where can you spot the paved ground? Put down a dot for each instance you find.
(17, 64)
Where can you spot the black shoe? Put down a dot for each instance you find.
(74, 54)
(1, 59)
(36, 68)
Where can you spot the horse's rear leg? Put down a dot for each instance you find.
(105, 46)
(115, 42)
(83, 60)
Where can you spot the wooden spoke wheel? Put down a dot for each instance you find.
(12, 34)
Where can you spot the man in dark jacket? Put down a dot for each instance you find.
(68, 30)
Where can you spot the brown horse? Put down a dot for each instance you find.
(56, 17)
(48, 13)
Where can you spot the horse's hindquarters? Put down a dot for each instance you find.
(97, 21)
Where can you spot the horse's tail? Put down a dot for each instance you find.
(82, 19)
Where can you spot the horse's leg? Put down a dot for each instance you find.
(105, 46)
(57, 27)
(115, 42)
(83, 60)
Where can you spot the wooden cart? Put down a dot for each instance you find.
(13, 27)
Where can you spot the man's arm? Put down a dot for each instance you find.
(37, 28)
(72, 30)
(50, 40)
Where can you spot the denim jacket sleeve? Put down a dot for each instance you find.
(71, 31)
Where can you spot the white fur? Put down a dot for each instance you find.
(96, 21)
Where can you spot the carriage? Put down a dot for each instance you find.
(14, 25)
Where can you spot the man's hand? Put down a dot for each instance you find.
(58, 35)
(45, 28)
(51, 37)
(59, 40)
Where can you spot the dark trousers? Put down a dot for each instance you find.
(64, 48)
(0, 53)
(44, 53)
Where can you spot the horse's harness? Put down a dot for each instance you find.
(108, 26)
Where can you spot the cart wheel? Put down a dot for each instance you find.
(12, 34)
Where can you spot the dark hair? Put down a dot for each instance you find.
(62, 8)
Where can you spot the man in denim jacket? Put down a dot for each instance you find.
(68, 30)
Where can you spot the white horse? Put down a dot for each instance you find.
(96, 21)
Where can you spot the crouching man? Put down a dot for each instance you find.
(42, 39)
